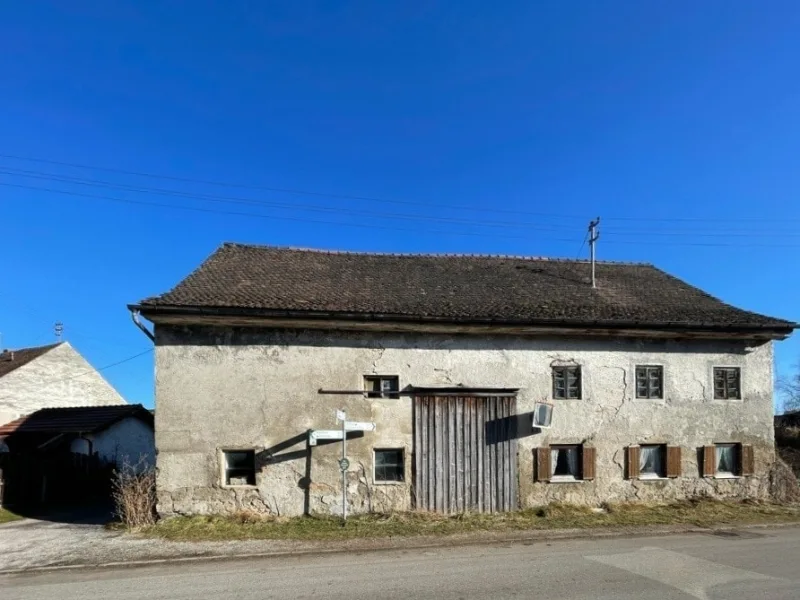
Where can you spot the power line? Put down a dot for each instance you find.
(297, 192)
(638, 232)
(250, 202)
(301, 192)
(263, 216)
(381, 227)
(114, 364)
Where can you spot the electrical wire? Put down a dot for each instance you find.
(301, 192)
(109, 366)
(269, 204)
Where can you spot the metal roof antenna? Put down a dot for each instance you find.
(594, 235)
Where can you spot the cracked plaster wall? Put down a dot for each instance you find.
(219, 388)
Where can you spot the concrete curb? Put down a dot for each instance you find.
(411, 543)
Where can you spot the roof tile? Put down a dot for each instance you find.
(457, 287)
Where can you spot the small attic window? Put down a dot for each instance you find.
(382, 386)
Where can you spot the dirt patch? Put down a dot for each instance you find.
(247, 526)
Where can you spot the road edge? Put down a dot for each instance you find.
(531, 536)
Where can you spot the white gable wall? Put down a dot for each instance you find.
(126, 441)
(60, 377)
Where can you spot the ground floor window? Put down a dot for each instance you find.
(565, 463)
(652, 461)
(240, 467)
(389, 465)
(726, 460)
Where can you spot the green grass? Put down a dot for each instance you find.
(247, 526)
(6, 516)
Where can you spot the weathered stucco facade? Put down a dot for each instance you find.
(224, 388)
(59, 377)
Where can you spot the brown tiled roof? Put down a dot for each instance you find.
(81, 419)
(457, 288)
(11, 360)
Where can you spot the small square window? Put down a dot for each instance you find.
(382, 386)
(726, 460)
(240, 467)
(567, 383)
(727, 383)
(389, 465)
(565, 463)
(650, 382)
(652, 461)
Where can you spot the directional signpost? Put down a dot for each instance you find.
(340, 434)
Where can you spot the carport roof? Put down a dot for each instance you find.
(82, 419)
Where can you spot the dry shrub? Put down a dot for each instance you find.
(133, 490)
(783, 485)
(247, 517)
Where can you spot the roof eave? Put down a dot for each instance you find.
(776, 330)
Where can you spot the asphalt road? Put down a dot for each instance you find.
(755, 564)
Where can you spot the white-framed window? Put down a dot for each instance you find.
(565, 463)
(727, 383)
(726, 460)
(239, 467)
(567, 383)
(390, 465)
(652, 461)
(382, 386)
(650, 382)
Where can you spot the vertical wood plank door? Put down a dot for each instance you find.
(465, 453)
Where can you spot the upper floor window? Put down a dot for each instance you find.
(727, 383)
(650, 381)
(567, 383)
(382, 386)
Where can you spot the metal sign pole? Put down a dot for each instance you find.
(344, 470)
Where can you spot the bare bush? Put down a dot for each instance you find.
(133, 490)
(783, 486)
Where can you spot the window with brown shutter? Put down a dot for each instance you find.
(673, 461)
(588, 463)
(543, 464)
(709, 461)
(633, 462)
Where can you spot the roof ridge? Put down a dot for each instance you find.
(429, 254)
(85, 406)
(27, 348)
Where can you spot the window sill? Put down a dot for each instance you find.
(655, 478)
(566, 480)
(727, 477)
(389, 483)
(238, 487)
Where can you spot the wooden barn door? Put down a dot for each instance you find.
(465, 453)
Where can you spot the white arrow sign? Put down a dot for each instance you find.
(359, 426)
(325, 434)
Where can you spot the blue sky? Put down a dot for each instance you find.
(457, 128)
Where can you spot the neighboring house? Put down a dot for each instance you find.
(118, 435)
(49, 376)
(659, 391)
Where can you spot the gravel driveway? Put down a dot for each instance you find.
(45, 543)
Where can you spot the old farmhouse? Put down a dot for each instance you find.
(656, 389)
